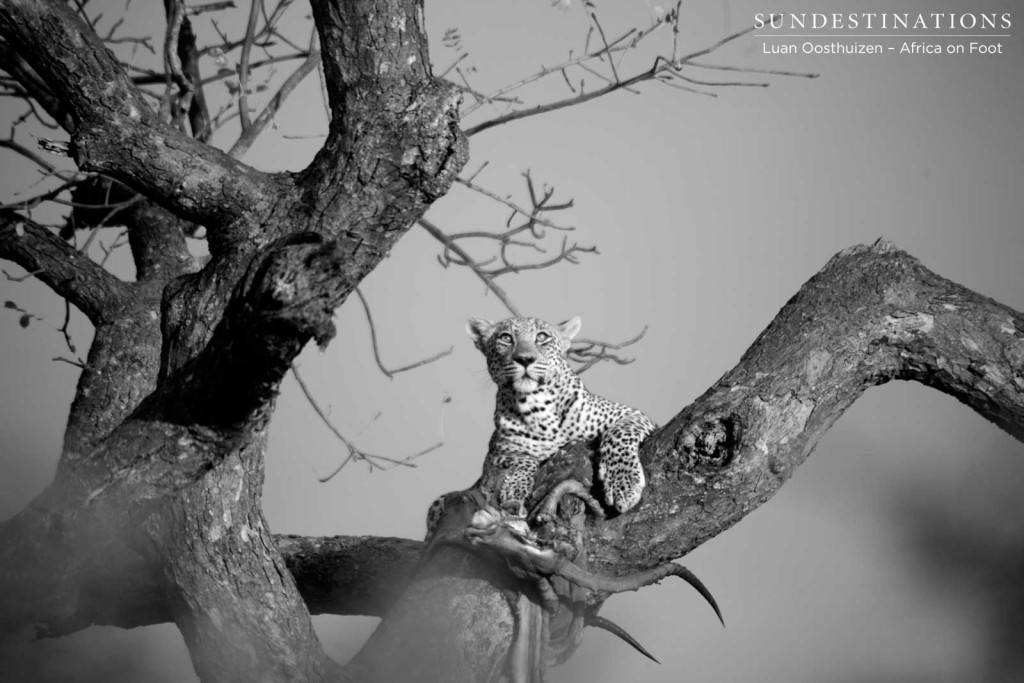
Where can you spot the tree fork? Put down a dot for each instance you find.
(196, 441)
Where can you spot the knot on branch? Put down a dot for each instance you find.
(436, 148)
(709, 444)
(297, 282)
(902, 326)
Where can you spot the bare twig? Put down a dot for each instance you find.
(752, 70)
(103, 221)
(531, 214)
(664, 70)
(64, 328)
(589, 352)
(616, 45)
(11, 144)
(243, 67)
(528, 234)
(172, 65)
(453, 65)
(152, 78)
(374, 461)
(390, 373)
(251, 132)
(210, 7)
(449, 244)
(49, 195)
(607, 47)
(119, 241)
(77, 363)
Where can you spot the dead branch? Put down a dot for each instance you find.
(374, 461)
(666, 69)
(243, 67)
(450, 245)
(391, 372)
(254, 129)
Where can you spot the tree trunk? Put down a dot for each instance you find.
(166, 439)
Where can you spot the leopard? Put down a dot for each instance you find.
(542, 406)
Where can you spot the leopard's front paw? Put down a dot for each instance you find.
(623, 484)
(516, 488)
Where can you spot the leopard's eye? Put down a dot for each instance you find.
(504, 338)
(543, 337)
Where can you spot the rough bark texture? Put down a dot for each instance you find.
(871, 315)
(154, 513)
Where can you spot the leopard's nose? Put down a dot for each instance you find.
(524, 359)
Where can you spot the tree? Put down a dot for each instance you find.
(178, 416)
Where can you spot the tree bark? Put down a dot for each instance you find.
(164, 450)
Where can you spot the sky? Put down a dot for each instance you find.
(708, 213)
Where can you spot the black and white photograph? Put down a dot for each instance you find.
(480, 341)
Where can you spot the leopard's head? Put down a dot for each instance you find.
(524, 354)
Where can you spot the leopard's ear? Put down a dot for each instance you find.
(569, 329)
(480, 330)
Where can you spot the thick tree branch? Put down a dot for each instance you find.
(286, 297)
(347, 575)
(394, 144)
(872, 315)
(68, 272)
(16, 66)
(157, 239)
(115, 131)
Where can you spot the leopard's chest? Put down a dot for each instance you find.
(541, 423)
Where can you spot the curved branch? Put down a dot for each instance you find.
(449, 244)
(394, 144)
(115, 131)
(665, 70)
(67, 271)
(391, 372)
(871, 315)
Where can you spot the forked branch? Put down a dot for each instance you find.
(114, 129)
(669, 68)
(525, 229)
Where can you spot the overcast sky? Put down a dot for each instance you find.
(709, 213)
